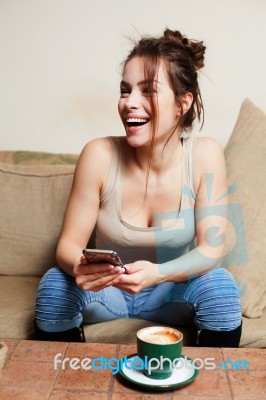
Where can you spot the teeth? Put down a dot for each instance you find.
(136, 120)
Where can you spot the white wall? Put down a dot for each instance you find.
(59, 65)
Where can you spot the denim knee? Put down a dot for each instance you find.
(59, 302)
(216, 299)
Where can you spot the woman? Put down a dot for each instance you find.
(150, 198)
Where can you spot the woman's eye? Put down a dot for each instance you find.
(148, 90)
(124, 92)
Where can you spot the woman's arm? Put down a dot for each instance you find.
(83, 204)
(211, 213)
(211, 221)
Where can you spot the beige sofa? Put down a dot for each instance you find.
(34, 188)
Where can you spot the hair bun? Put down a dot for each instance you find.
(195, 49)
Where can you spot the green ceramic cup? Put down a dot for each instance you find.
(159, 347)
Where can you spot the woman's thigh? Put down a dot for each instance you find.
(210, 301)
(61, 304)
(215, 297)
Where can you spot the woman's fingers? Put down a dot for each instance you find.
(95, 276)
(88, 269)
(96, 281)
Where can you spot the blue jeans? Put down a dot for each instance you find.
(210, 301)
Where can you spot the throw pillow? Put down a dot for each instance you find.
(245, 156)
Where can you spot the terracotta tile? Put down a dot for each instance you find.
(208, 383)
(91, 350)
(245, 383)
(29, 350)
(22, 393)
(256, 358)
(11, 345)
(18, 373)
(140, 396)
(100, 363)
(202, 353)
(178, 396)
(247, 397)
(77, 394)
(122, 386)
(126, 350)
(87, 380)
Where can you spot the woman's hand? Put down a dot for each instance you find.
(95, 276)
(140, 275)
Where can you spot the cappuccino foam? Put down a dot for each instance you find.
(160, 337)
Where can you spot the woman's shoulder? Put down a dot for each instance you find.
(96, 155)
(205, 147)
(208, 158)
(102, 144)
(209, 154)
(95, 160)
(204, 143)
(207, 143)
(98, 150)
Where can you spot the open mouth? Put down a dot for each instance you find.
(136, 121)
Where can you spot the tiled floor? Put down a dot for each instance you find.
(29, 374)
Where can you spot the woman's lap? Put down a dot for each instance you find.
(210, 301)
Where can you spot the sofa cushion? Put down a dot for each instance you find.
(32, 204)
(17, 309)
(246, 165)
(36, 158)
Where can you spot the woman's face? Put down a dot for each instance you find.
(134, 104)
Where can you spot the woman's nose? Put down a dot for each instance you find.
(132, 100)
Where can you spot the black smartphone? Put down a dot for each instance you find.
(103, 256)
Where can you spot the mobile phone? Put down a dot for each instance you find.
(103, 256)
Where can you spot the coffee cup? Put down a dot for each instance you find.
(159, 347)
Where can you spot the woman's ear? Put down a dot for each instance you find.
(186, 102)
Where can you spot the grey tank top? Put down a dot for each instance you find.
(174, 232)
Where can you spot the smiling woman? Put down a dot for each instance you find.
(146, 195)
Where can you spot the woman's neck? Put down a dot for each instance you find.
(165, 156)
